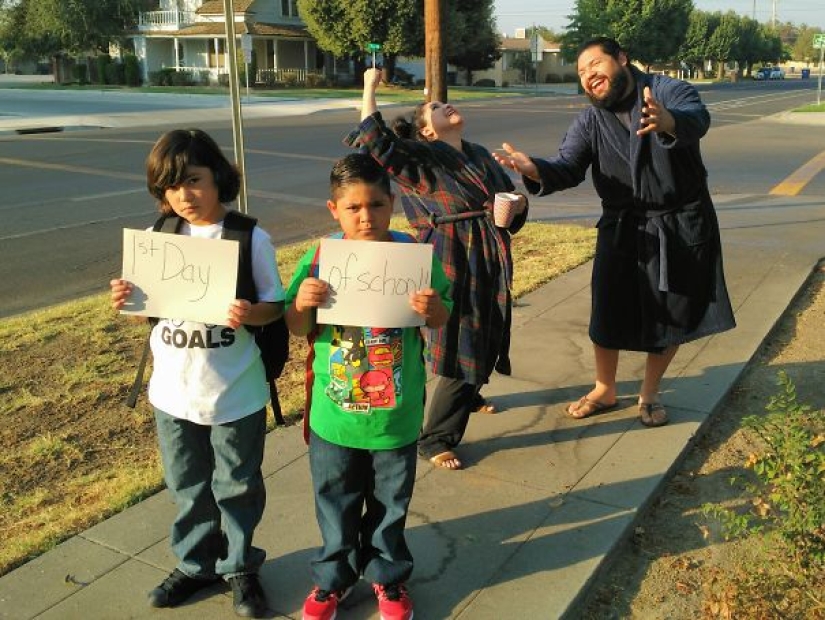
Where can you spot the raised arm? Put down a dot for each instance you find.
(369, 106)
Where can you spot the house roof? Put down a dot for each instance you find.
(215, 29)
(510, 44)
(215, 7)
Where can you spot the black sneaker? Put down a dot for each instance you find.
(176, 588)
(248, 596)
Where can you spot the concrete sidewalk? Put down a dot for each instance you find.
(544, 500)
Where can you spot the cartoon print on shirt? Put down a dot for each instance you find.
(375, 384)
(364, 367)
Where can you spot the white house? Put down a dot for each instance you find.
(190, 35)
(550, 66)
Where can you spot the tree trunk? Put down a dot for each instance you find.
(359, 66)
(388, 70)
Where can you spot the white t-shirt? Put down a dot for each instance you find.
(212, 374)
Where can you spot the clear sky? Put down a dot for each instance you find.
(512, 14)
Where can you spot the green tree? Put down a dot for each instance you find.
(745, 52)
(803, 47)
(12, 41)
(590, 18)
(694, 49)
(723, 40)
(346, 27)
(17, 42)
(83, 25)
(474, 46)
(651, 30)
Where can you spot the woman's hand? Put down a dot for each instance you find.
(372, 78)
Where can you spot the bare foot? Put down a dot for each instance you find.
(446, 460)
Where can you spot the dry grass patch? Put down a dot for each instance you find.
(74, 454)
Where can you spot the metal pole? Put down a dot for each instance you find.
(819, 87)
(235, 100)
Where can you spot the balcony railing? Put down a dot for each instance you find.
(285, 76)
(165, 20)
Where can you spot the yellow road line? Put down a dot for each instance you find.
(27, 163)
(800, 177)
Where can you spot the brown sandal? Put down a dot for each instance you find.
(584, 408)
(652, 414)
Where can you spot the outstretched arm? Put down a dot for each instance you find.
(372, 78)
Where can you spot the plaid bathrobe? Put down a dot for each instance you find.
(439, 186)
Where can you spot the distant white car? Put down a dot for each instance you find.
(777, 74)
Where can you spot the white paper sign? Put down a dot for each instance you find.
(179, 277)
(371, 281)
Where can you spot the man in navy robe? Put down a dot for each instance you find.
(657, 278)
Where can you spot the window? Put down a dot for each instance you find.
(289, 8)
(217, 60)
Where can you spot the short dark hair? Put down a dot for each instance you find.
(608, 45)
(179, 148)
(358, 168)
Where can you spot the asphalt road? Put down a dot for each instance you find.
(67, 196)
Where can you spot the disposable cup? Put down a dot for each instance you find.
(504, 209)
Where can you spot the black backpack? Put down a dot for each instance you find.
(272, 339)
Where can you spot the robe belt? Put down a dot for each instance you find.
(435, 220)
(654, 218)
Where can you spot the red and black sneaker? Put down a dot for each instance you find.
(393, 601)
(323, 604)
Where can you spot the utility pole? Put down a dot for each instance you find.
(436, 64)
(235, 99)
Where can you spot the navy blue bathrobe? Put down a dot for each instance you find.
(657, 274)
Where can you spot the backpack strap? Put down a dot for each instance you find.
(167, 223)
(238, 227)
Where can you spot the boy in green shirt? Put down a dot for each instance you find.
(365, 410)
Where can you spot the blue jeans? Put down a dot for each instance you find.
(214, 475)
(361, 503)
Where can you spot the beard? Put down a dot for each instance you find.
(618, 86)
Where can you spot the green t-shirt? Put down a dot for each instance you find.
(367, 383)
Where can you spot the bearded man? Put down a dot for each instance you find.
(657, 279)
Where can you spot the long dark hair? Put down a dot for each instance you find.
(410, 128)
(174, 151)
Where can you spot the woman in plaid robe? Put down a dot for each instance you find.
(447, 190)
